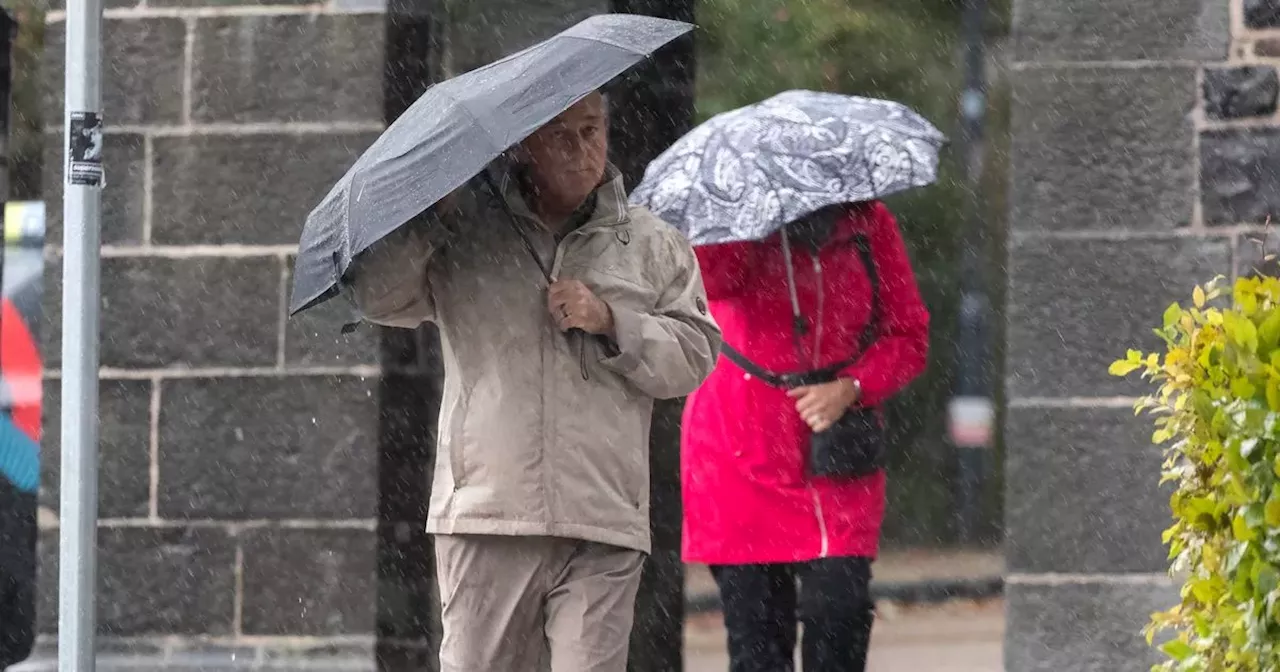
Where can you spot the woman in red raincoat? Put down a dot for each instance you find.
(751, 511)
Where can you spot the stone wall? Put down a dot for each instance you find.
(239, 484)
(1145, 152)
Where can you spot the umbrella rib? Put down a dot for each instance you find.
(609, 43)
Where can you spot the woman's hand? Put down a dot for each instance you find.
(821, 405)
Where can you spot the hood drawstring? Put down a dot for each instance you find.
(580, 335)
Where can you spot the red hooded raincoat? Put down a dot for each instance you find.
(747, 498)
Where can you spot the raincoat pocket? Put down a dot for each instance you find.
(457, 439)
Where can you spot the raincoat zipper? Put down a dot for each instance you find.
(817, 320)
(825, 547)
(581, 337)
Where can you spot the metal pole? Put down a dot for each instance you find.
(971, 413)
(82, 210)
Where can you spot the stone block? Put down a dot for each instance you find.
(315, 338)
(1119, 30)
(124, 162)
(1247, 91)
(1082, 627)
(1101, 148)
(310, 582)
(1240, 175)
(1267, 47)
(268, 447)
(288, 67)
(341, 652)
(200, 4)
(190, 312)
(124, 438)
(1082, 492)
(1258, 253)
(1262, 13)
(153, 581)
(141, 73)
(107, 4)
(245, 189)
(1075, 306)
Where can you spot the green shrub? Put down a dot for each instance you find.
(1217, 410)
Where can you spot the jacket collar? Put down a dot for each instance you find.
(610, 200)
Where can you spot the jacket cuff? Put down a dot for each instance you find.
(872, 394)
(628, 328)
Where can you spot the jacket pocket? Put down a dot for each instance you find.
(457, 437)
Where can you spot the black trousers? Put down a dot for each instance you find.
(760, 612)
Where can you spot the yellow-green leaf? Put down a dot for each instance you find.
(1245, 298)
(1273, 512)
(1172, 314)
(1198, 296)
(1123, 367)
(1242, 388)
(1177, 649)
(1241, 530)
(1269, 332)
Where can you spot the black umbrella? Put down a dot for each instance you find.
(455, 130)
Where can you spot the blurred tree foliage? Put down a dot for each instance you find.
(909, 51)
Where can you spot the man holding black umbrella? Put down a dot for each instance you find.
(540, 497)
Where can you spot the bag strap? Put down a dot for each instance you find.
(870, 330)
(799, 327)
(865, 340)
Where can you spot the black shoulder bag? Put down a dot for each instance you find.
(855, 445)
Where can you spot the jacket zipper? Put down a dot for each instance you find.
(581, 338)
(817, 320)
(825, 547)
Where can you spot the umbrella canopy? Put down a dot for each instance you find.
(744, 174)
(456, 129)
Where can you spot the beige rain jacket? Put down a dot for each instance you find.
(541, 433)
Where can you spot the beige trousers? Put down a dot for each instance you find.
(525, 604)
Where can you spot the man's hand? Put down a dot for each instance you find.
(574, 306)
(821, 405)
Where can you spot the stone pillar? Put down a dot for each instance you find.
(1113, 216)
(239, 478)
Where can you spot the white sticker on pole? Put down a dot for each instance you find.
(84, 150)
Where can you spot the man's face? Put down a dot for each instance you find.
(566, 158)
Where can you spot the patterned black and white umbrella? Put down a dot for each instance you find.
(744, 174)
